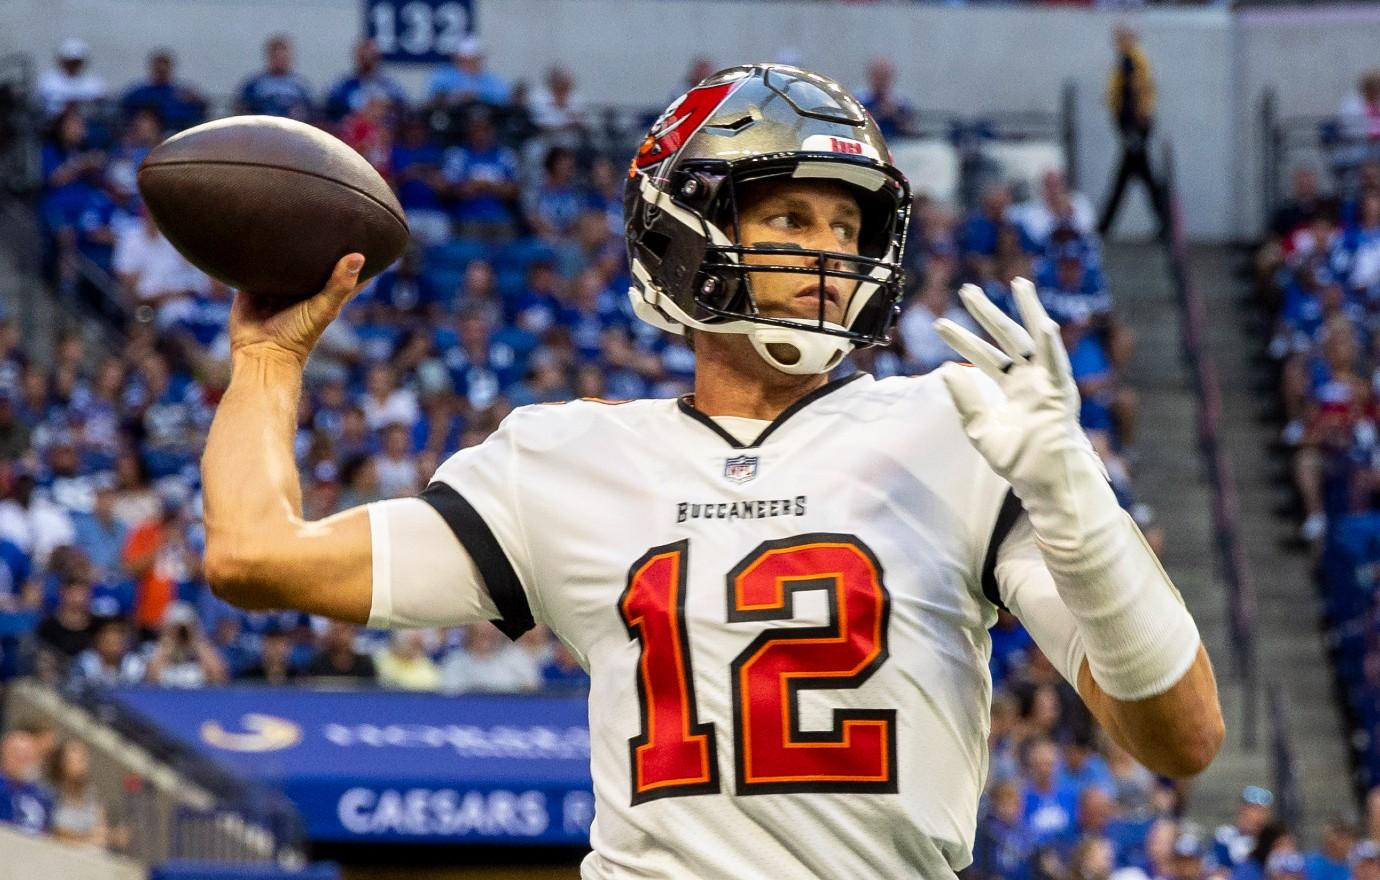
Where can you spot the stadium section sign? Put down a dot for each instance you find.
(394, 767)
(424, 31)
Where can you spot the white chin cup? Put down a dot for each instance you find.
(815, 352)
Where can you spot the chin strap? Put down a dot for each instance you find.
(815, 352)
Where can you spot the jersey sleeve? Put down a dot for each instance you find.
(1026, 588)
(485, 571)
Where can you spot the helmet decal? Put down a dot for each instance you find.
(681, 120)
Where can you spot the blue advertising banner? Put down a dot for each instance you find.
(418, 30)
(396, 767)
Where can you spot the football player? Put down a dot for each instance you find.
(781, 585)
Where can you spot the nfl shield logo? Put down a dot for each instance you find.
(741, 468)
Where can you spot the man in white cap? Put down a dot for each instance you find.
(466, 80)
(69, 82)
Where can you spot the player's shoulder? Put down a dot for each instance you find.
(543, 426)
(909, 394)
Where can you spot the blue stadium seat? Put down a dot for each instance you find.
(456, 254)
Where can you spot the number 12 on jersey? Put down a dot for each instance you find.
(676, 754)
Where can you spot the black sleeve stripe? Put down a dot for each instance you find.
(1006, 518)
(478, 540)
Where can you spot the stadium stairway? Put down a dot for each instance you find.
(1170, 477)
(1290, 646)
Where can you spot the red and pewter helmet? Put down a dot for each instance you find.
(743, 125)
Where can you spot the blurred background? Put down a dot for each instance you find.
(1195, 188)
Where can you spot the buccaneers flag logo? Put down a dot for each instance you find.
(679, 122)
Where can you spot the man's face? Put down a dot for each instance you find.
(161, 68)
(18, 756)
(279, 57)
(799, 215)
(366, 56)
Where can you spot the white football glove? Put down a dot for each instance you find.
(1031, 437)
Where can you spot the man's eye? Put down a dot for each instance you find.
(845, 232)
(782, 221)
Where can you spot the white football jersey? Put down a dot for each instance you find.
(787, 640)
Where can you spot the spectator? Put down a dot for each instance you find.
(69, 83)
(177, 105)
(416, 167)
(71, 168)
(384, 403)
(1285, 866)
(556, 204)
(563, 671)
(1188, 859)
(404, 665)
(369, 131)
(182, 656)
(924, 349)
(155, 277)
(1004, 846)
(110, 660)
(482, 181)
(32, 522)
(1092, 859)
(159, 559)
(1131, 99)
(394, 465)
(893, 112)
(1049, 807)
(1057, 207)
(68, 629)
(1233, 843)
(274, 665)
(558, 110)
(78, 814)
(337, 657)
(1360, 110)
(24, 799)
(489, 663)
(700, 68)
(1365, 861)
(1332, 861)
(135, 500)
(277, 90)
(364, 82)
(466, 81)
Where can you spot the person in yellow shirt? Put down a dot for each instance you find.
(1131, 101)
(404, 664)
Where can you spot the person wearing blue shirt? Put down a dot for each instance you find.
(416, 164)
(101, 534)
(893, 113)
(178, 105)
(483, 180)
(350, 92)
(1005, 848)
(1332, 860)
(30, 803)
(1083, 767)
(555, 205)
(466, 80)
(1049, 808)
(1233, 844)
(278, 90)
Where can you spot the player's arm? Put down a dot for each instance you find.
(1146, 675)
(427, 561)
(260, 552)
(1174, 732)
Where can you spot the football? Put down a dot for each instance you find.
(268, 205)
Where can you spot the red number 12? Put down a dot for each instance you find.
(675, 754)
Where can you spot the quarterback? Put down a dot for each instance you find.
(781, 585)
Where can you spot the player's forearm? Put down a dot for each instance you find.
(1176, 733)
(249, 475)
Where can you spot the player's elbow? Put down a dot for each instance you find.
(237, 572)
(1189, 750)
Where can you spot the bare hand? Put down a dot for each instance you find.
(256, 325)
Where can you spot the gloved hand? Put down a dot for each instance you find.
(1030, 435)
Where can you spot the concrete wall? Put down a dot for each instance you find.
(29, 858)
(1211, 66)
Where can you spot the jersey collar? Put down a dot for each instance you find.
(686, 405)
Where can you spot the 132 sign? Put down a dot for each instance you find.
(418, 30)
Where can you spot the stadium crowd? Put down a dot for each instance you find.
(513, 293)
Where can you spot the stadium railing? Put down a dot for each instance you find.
(1235, 571)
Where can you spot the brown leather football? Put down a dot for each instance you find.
(269, 205)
